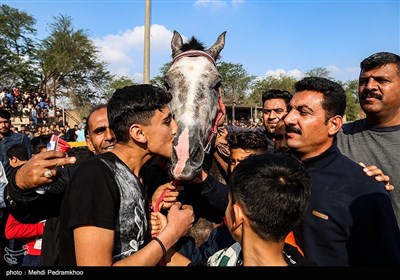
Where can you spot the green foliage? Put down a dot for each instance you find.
(70, 65)
(321, 72)
(283, 82)
(117, 83)
(353, 109)
(17, 48)
(235, 82)
(159, 80)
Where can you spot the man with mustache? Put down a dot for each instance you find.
(375, 139)
(349, 219)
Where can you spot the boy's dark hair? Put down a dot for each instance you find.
(276, 94)
(134, 104)
(273, 189)
(247, 140)
(39, 142)
(81, 153)
(19, 151)
(334, 95)
(379, 59)
(5, 114)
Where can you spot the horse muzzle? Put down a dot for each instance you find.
(187, 156)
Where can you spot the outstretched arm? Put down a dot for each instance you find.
(21, 196)
(31, 174)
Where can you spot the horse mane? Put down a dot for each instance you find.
(193, 44)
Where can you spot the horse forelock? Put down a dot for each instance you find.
(193, 44)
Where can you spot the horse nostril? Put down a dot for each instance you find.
(197, 156)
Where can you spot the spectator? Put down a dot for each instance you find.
(275, 104)
(29, 234)
(374, 140)
(347, 209)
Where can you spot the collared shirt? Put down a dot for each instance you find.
(349, 219)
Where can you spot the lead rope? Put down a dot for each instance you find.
(213, 132)
(157, 209)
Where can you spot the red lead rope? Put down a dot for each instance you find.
(221, 112)
(161, 198)
(157, 209)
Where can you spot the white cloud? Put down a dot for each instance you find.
(337, 73)
(213, 4)
(343, 74)
(217, 4)
(295, 73)
(123, 52)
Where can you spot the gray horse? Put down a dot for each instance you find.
(194, 81)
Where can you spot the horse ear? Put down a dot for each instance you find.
(218, 46)
(176, 43)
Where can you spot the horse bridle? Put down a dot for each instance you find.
(221, 108)
(213, 132)
(194, 53)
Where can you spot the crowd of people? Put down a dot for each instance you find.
(34, 105)
(305, 189)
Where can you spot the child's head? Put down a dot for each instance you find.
(17, 155)
(244, 143)
(268, 193)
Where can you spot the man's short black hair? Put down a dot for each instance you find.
(39, 142)
(134, 104)
(379, 59)
(98, 107)
(334, 102)
(247, 140)
(19, 151)
(276, 94)
(5, 114)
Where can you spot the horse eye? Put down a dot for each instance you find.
(166, 85)
(217, 86)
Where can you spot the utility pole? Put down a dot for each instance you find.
(146, 64)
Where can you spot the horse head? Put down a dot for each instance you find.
(194, 82)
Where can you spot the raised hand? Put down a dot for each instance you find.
(40, 169)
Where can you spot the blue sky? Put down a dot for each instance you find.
(266, 37)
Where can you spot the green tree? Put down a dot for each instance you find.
(283, 82)
(235, 82)
(159, 79)
(321, 72)
(118, 82)
(17, 48)
(353, 109)
(71, 67)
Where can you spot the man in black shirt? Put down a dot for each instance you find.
(350, 219)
